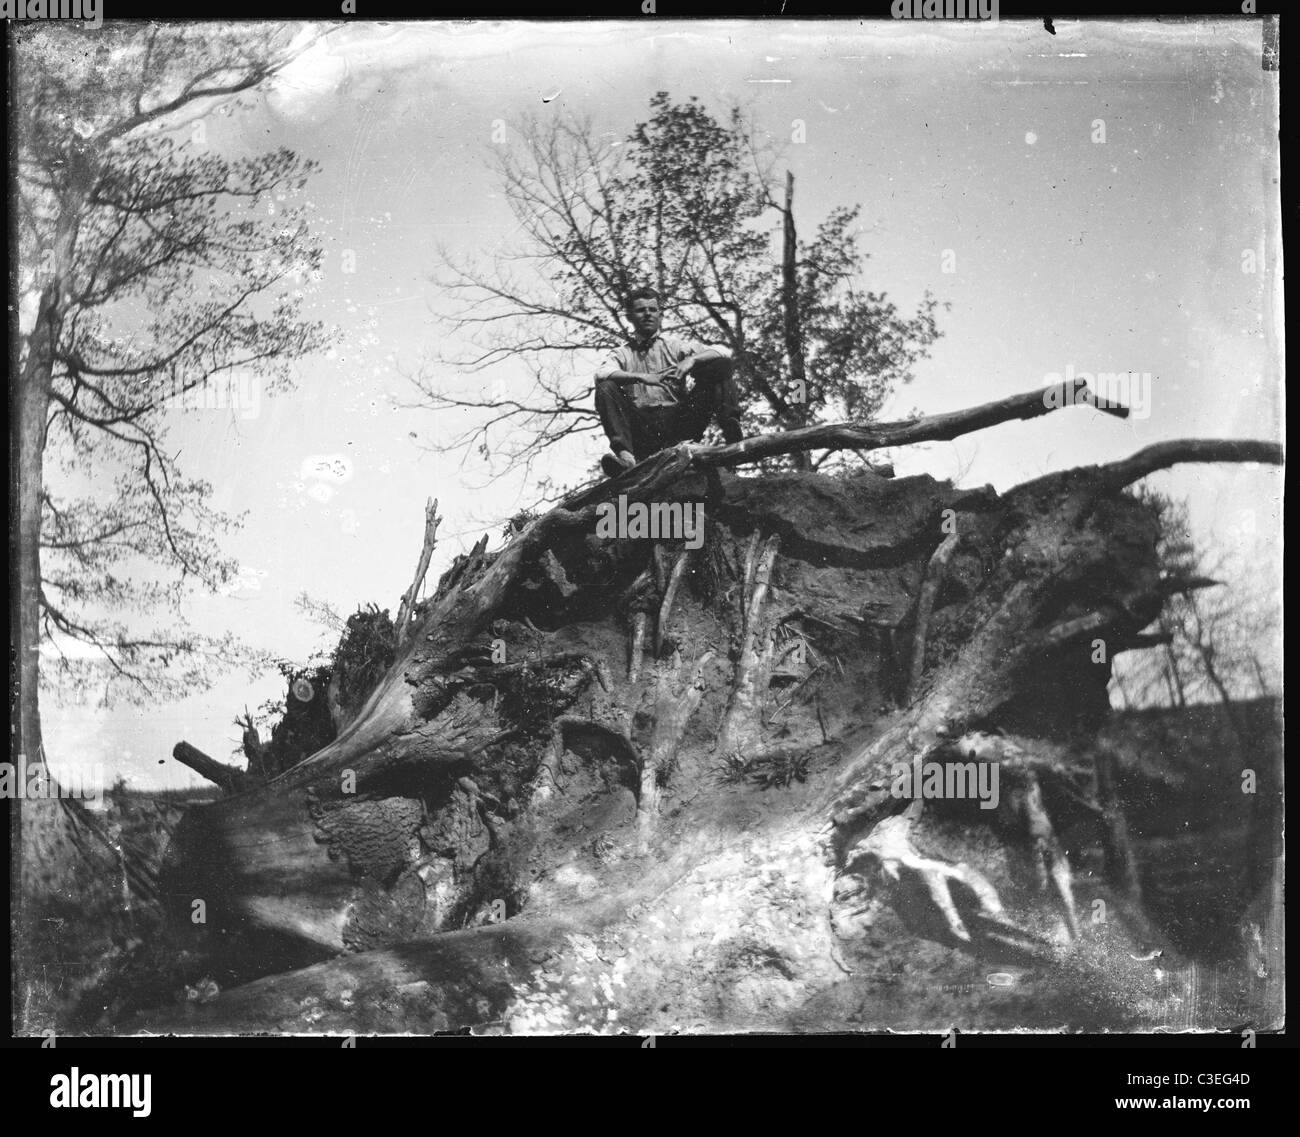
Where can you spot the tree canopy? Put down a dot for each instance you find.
(169, 277)
(685, 205)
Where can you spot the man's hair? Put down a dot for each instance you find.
(640, 294)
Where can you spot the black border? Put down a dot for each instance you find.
(1196, 1052)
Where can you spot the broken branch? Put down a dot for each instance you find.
(227, 777)
(407, 606)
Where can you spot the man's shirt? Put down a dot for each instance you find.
(640, 358)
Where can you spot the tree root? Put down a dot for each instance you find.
(257, 854)
(637, 649)
(935, 899)
(670, 594)
(740, 724)
(672, 711)
(934, 574)
(1049, 858)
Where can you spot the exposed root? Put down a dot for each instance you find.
(638, 646)
(934, 573)
(670, 594)
(672, 711)
(741, 719)
(1028, 811)
(1049, 858)
(550, 564)
(921, 890)
(1121, 863)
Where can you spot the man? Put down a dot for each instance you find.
(641, 394)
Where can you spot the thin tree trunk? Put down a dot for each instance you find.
(28, 402)
(31, 400)
(1173, 677)
(793, 328)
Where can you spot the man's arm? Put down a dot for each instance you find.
(613, 368)
(697, 353)
(622, 378)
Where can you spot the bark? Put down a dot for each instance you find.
(641, 884)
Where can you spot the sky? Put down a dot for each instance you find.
(1104, 199)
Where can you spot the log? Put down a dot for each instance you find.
(669, 466)
(261, 860)
(227, 777)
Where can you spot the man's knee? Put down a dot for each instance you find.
(716, 388)
(717, 370)
(612, 400)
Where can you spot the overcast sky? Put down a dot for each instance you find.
(970, 146)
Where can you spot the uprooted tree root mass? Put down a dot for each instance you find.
(627, 785)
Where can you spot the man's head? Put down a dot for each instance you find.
(643, 310)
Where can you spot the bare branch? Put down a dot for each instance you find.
(407, 606)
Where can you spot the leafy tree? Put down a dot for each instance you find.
(684, 204)
(164, 279)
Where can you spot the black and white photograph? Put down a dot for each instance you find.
(645, 528)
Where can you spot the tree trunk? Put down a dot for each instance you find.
(790, 311)
(30, 401)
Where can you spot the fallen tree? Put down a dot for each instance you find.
(626, 784)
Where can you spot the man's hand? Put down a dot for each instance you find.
(652, 379)
(682, 368)
(625, 378)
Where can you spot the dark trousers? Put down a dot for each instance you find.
(646, 430)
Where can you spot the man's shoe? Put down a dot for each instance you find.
(616, 462)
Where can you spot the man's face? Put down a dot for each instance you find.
(645, 317)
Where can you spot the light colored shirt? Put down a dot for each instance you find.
(658, 355)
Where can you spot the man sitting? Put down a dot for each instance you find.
(641, 394)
